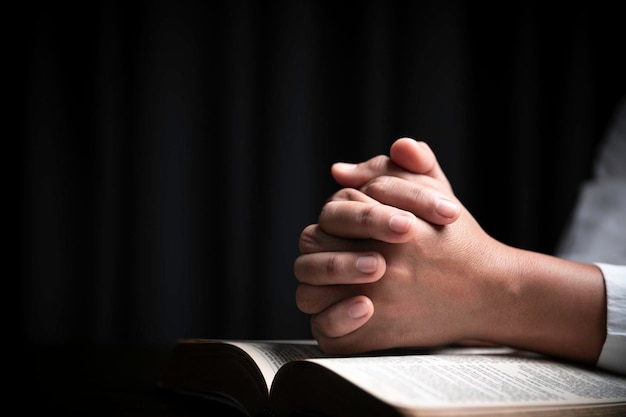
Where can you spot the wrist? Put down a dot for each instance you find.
(499, 280)
(552, 306)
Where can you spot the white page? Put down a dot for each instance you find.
(271, 355)
(475, 380)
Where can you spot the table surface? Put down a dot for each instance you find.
(88, 381)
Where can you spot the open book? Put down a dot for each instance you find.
(284, 377)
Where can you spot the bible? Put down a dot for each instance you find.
(291, 377)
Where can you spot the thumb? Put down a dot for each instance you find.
(417, 157)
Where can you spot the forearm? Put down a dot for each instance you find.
(553, 306)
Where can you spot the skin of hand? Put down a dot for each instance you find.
(383, 269)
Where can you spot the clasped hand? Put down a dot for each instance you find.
(396, 260)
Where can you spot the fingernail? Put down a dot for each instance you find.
(367, 264)
(446, 208)
(358, 310)
(345, 165)
(400, 224)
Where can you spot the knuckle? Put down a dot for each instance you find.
(423, 197)
(379, 163)
(344, 194)
(307, 243)
(331, 265)
(366, 216)
(303, 299)
(377, 185)
(327, 208)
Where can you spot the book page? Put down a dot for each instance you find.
(270, 355)
(463, 380)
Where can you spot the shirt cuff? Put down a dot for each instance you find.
(613, 354)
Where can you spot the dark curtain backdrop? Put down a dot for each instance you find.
(174, 150)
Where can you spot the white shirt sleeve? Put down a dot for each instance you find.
(613, 355)
(597, 234)
(597, 229)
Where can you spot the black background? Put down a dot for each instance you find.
(172, 151)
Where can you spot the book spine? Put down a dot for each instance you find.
(267, 412)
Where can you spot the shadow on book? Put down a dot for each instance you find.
(294, 378)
